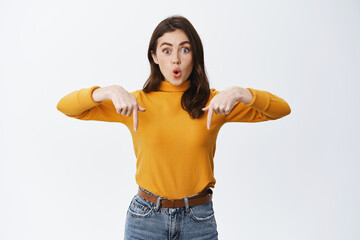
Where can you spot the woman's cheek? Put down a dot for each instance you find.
(189, 58)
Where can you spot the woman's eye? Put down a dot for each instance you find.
(186, 50)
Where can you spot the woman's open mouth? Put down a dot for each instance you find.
(176, 72)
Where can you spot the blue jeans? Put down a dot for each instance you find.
(149, 221)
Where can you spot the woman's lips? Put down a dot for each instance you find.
(176, 72)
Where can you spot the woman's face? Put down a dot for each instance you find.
(174, 56)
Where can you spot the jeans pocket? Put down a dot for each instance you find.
(202, 212)
(139, 207)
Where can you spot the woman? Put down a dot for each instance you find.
(174, 132)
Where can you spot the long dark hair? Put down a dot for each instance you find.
(197, 95)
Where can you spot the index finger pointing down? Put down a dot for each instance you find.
(209, 117)
(135, 117)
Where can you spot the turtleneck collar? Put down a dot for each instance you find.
(168, 87)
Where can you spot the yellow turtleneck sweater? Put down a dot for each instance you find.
(174, 152)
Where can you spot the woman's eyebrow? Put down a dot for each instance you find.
(182, 43)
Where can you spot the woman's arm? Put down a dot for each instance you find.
(101, 103)
(76, 103)
(261, 106)
(246, 105)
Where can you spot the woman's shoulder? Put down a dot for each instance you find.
(140, 95)
(137, 93)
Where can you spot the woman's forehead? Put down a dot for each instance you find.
(173, 38)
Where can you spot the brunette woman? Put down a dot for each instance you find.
(174, 131)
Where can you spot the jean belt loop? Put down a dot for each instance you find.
(187, 204)
(158, 203)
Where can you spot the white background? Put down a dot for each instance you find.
(294, 178)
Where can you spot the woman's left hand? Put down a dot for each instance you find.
(224, 102)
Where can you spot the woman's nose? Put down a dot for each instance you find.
(176, 59)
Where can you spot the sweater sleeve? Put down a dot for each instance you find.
(80, 104)
(264, 106)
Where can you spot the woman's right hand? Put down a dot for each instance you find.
(124, 102)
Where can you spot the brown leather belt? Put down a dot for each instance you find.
(204, 196)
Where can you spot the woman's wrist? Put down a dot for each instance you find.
(244, 95)
(100, 94)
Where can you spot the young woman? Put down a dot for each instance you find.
(174, 132)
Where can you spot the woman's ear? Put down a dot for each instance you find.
(154, 57)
